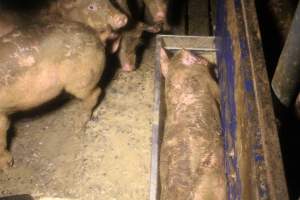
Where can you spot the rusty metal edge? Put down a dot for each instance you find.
(271, 146)
(209, 42)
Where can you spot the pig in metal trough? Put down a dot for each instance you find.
(205, 45)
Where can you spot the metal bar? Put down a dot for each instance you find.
(191, 49)
(196, 43)
(156, 125)
(286, 79)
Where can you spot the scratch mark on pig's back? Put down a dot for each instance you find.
(14, 63)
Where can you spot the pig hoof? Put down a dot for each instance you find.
(128, 68)
(6, 160)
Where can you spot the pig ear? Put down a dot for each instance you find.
(188, 58)
(116, 45)
(164, 62)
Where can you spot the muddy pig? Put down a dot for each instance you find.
(191, 157)
(41, 61)
(128, 43)
(101, 15)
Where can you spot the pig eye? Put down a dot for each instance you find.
(92, 7)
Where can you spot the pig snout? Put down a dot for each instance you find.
(119, 21)
(160, 17)
(128, 67)
(127, 58)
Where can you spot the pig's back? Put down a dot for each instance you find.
(23, 48)
(192, 149)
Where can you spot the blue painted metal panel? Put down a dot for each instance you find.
(225, 60)
(238, 106)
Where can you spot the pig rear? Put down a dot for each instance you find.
(191, 161)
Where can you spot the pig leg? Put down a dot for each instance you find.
(89, 100)
(5, 157)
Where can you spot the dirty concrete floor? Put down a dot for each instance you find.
(108, 159)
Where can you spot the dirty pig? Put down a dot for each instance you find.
(191, 157)
(129, 41)
(41, 61)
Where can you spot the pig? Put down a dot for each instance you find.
(101, 15)
(191, 156)
(129, 41)
(39, 62)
